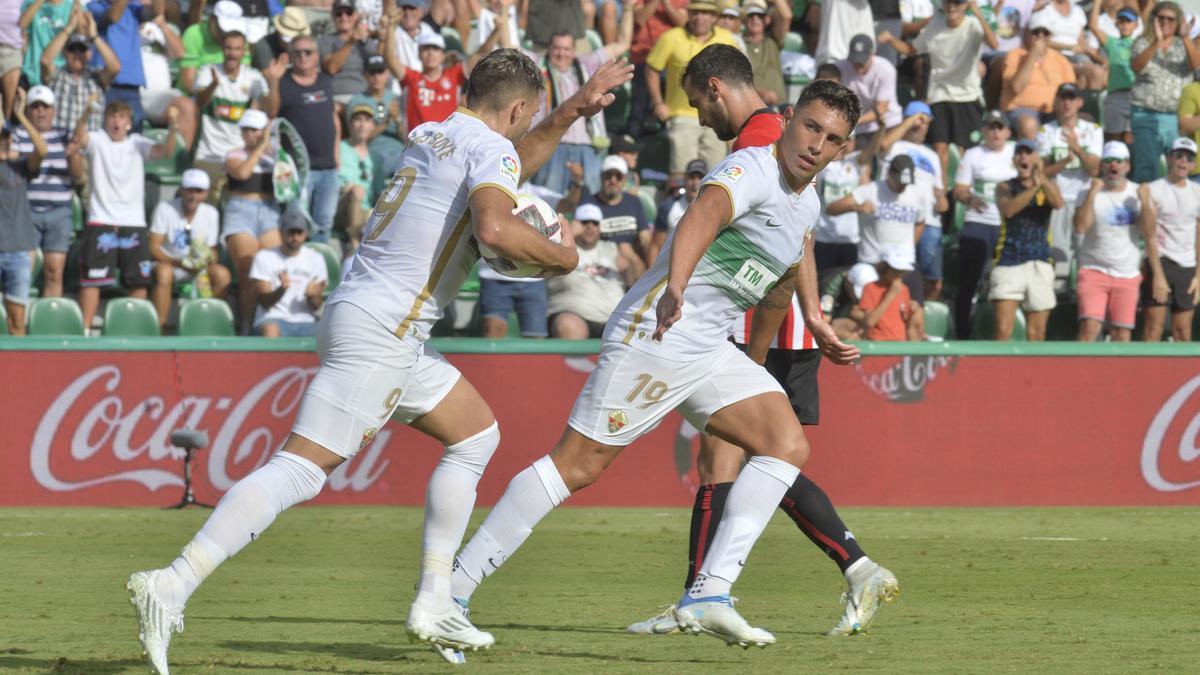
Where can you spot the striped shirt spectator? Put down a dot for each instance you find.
(52, 186)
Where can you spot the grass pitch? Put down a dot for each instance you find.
(326, 590)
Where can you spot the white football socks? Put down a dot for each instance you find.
(449, 500)
(531, 495)
(752, 501)
(243, 513)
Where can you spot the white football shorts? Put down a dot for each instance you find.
(631, 391)
(367, 376)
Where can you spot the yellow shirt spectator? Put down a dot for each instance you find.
(1189, 114)
(672, 53)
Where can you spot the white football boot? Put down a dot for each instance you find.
(156, 623)
(863, 600)
(663, 623)
(449, 654)
(717, 617)
(449, 628)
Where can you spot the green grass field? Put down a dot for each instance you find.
(327, 590)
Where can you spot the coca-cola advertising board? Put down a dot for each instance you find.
(92, 428)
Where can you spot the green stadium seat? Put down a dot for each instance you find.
(938, 322)
(333, 266)
(646, 195)
(39, 259)
(453, 40)
(130, 317)
(983, 323)
(55, 317)
(206, 317)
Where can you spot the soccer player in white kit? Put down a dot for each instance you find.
(739, 243)
(455, 188)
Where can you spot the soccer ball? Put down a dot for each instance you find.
(540, 217)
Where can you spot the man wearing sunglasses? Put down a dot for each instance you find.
(1071, 148)
(1176, 207)
(1032, 73)
(75, 83)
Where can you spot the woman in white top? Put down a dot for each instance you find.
(251, 214)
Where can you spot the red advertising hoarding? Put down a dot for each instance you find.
(91, 428)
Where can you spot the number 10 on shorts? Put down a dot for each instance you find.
(648, 388)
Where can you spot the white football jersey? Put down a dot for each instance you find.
(764, 239)
(417, 246)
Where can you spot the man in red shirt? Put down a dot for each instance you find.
(788, 341)
(433, 91)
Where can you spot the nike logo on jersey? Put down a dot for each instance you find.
(774, 224)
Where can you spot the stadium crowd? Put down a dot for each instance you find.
(1023, 169)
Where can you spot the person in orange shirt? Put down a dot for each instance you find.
(1033, 73)
(884, 307)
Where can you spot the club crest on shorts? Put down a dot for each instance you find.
(367, 437)
(617, 419)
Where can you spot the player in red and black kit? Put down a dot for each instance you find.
(719, 83)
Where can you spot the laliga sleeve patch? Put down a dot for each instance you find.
(510, 168)
(732, 173)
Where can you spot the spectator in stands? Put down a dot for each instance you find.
(840, 293)
(652, 18)
(120, 21)
(1023, 272)
(840, 21)
(183, 243)
(1176, 207)
(907, 139)
(763, 47)
(1189, 118)
(50, 188)
(410, 28)
(624, 218)
(317, 13)
(672, 208)
(1008, 20)
(628, 149)
(873, 78)
(1071, 147)
(344, 53)
(288, 24)
(581, 302)
(885, 310)
(1068, 34)
(41, 20)
(356, 176)
(434, 90)
(954, 45)
(729, 17)
(489, 16)
(12, 43)
(1112, 218)
(671, 54)
(982, 169)
(547, 18)
(202, 41)
(1118, 54)
(585, 140)
(1033, 73)
(836, 238)
(381, 98)
(224, 94)
(158, 36)
(1164, 58)
(76, 83)
(17, 236)
(251, 214)
(114, 237)
(290, 282)
(304, 96)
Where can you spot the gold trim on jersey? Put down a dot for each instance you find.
(512, 195)
(435, 276)
(728, 193)
(637, 316)
(468, 112)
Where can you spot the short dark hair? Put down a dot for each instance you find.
(723, 62)
(834, 96)
(501, 77)
(829, 71)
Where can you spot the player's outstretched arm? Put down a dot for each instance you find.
(495, 225)
(711, 211)
(537, 145)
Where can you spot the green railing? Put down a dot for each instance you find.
(586, 347)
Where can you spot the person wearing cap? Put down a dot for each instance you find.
(434, 89)
(653, 19)
(1023, 270)
(202, 41)
(380, 96)
(1164, 58)
(1112, 216)
(356, 175)
(1071, 147)
(874, 80)
(729, 17)
(670, 56)
(628, 149)
(183, 243)
(673, 207)
(624, 220)
(1032, 73)
(50, 190)
(223, 94)
(908, 139)
(1118, 53)
(842, 293)
(344, 52)
(579, 304)
(408, 31)
(585, 142)
(289, 282)
(1176, 207)
(251, 213)
(303, 95)
(1068, 25)
(955, 46)
(839, 22)
(980, 171)
(885, 310)
(18, 235)
(75, 82)
(765, 31)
